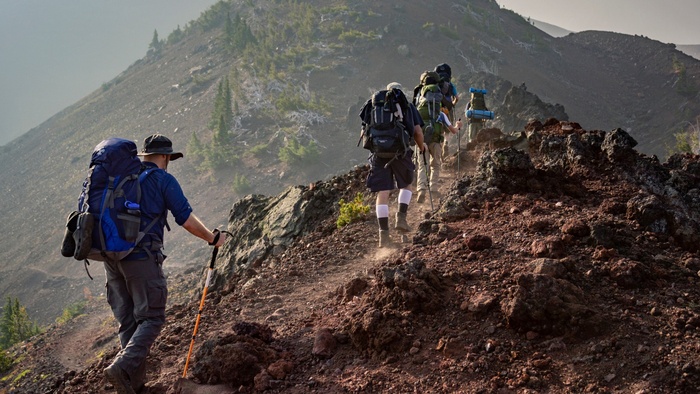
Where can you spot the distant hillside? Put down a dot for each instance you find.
(692, 50)
(552, 30)
(298, 73)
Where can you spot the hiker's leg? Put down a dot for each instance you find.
(148, 287)
(473, 130)
(404, 199)
(422, 180)
(382, 209)
(120, 301)
(438, 162)
(401, 224)
(383, 197)
(435, 162)
(404, 171)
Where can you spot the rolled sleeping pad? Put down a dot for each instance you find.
(479, 114)
(473, 90)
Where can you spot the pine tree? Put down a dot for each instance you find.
(228, 105)
(175, 36)
(237, 34)
(228, 33)
(15, 325)
(6, 332)
(223, 107)
(156, 45)
(218, 106)
(195, 149)
(221, 138)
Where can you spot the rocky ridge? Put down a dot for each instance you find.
(568, 266)
(604, 80)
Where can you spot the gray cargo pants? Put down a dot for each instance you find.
(137, 292)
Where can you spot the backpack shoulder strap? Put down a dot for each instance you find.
(145, 172)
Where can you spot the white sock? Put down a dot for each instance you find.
(405, 196)
(382, 211)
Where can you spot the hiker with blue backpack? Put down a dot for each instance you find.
(390, 124)
(477, 113)
(120, 220)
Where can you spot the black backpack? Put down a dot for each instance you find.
(444, 71)
(384, 130)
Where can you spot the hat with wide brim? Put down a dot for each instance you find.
(158, 144)
(394, 85)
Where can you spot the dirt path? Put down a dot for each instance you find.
(86, 337)
(274, 304)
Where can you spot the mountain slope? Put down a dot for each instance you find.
(692, 50)
(603, 80)
(571, 266)
(552, 30)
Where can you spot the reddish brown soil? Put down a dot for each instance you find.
(443, 314)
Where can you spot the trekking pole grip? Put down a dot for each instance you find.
(215, 252)
(217, 235)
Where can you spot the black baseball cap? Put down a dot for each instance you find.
(158, 144)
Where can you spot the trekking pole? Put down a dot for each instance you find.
(204, 295)
(427, 176)
(459, 141)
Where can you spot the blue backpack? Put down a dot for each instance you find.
(110, 199)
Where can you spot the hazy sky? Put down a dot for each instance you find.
(53, 53)
(670, 21)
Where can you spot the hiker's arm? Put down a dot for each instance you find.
(458, 125)
(418, 137)
(455, 96)
(447, 103)
(195, 227)
(417, 127)
(445, 121)
(455, 129)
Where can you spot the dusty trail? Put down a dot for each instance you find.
(85, 338)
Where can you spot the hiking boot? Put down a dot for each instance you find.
(421, 197)
(119, 379)
(384, 239)
(68, 245)
(401, 223)
(138, 379)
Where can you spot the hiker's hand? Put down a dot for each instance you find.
(222, 239)
(458, 124)
(219, 238)
(424, 148)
